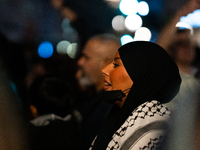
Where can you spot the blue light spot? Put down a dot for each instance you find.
(126, 39)
(45, 49)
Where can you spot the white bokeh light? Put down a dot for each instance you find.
(192, 19)
(128, 7)
(118, 23)
(72, 50)
(142, 34)
(133, 22)
(184, 25)
(143, 8)
(62, 47)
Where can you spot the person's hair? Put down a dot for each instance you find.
(106, 37)
(49, 94)
(111, 42)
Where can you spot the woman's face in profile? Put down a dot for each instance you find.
(116, 76)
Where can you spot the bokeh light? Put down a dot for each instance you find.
(143, 8)
(62, 47)
(118, 23)
(72, 50)
(45, 49)
(133, 22)
(183, 25)
(193, 19)
(142, 34)
(65, 24)
(128, 7)
(126, 39)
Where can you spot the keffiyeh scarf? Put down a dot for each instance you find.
(143, 129)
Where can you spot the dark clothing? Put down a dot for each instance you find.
(57, 135)
(94, 112)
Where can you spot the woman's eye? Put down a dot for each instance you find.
(115, 65)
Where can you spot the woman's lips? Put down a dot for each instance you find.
(107, 85)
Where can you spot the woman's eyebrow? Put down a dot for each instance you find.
(116, 58)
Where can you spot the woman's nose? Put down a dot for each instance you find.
(106, 70)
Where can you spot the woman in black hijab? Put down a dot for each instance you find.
(141, 78)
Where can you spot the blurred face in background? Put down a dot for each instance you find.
(98, 52)
(185, 53)
(90, 65)
(185, 48)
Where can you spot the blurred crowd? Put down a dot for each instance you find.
(57, 103)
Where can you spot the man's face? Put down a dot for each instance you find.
(185, 48)
(90, 65)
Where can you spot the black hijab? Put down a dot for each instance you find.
(155, 76)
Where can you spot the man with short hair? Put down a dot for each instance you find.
(98, 52)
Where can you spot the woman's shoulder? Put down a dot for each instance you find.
(151, 108)
(147, 113)
(145, 125)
